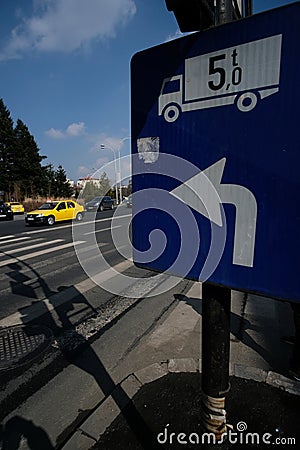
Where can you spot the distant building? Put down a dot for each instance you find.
(81, 183)
(71, 182)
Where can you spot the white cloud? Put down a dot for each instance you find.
(73, 130)
(83, 171)
(67, 25)
(109, 143)
(55, 134)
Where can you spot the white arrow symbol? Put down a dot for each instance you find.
(205, 193)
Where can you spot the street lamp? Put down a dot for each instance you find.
(103, 147)
(117, 167)
(119, 155)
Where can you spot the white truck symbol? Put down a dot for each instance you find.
(219, 78)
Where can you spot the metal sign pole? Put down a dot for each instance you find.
(248, 8)
(216, 303)
(216, 327)
(224, 11)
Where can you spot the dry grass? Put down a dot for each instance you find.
(33, 203)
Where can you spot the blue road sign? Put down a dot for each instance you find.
(216, 155)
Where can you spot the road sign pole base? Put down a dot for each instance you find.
(214, 416)
(215, 356)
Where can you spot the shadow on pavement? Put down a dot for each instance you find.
(240, 327)
(18, 428)
(20, 283)
(171, 406)
(173, 400)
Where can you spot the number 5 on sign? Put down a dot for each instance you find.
(236, 73)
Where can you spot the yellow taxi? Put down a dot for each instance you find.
(57, 211)
(16, 207)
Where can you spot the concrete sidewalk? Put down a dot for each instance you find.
(91, 391)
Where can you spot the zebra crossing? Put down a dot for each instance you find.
(35, 244)
(29, 247)
(38, 247)
(29, 289)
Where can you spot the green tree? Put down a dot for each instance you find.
(104, 184)
(62, 186)
(90, 191)
(7, 151)
(55, 182)
(27, 171)
(21, 171)
(48, 181)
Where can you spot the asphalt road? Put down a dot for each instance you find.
(39, 262)
(44, 282)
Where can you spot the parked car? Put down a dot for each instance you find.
(129, 201)
(52, 212)
(5, 212)
(16, 207)
(100, 204)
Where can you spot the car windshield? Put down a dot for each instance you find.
(50, 205)
(97, 199)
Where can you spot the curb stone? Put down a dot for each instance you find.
(249, 373)
(152, 372)
(183, 365)
(95, 425)
(79, 441)
(280, 381)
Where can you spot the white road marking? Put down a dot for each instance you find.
(39, 253)
(29, 247)
(109, 218)
(103, 229)
(76, 225)
(15, 242)
(49, 304)
(44, 230)
(11, 241)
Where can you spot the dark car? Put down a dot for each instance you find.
(5, 212)
(100, 204)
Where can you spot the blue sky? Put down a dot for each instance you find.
(64, 71)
